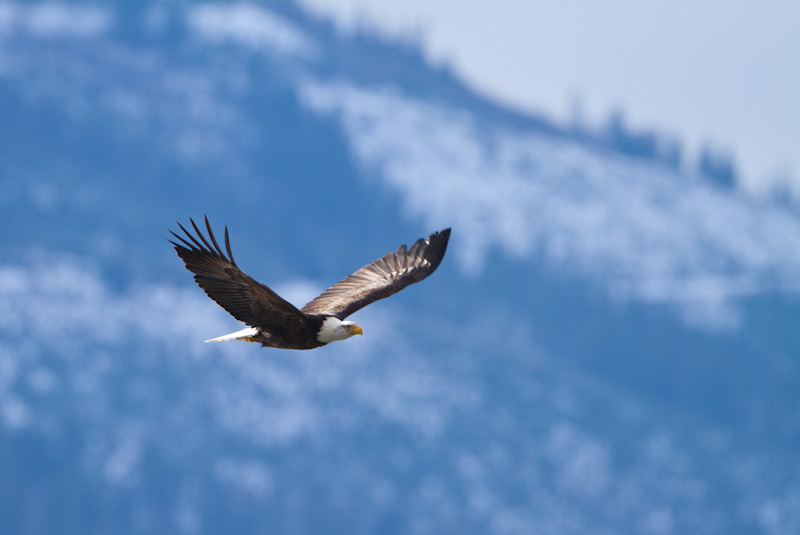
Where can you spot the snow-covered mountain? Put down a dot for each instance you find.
(610, 345)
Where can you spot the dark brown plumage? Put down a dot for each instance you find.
(277, 323)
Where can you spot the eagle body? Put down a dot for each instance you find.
(273, 321)
(302, 337)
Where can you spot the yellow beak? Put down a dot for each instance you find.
(356, 329)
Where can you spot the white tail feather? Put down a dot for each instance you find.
(244, 334)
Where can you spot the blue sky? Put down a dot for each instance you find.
(714, 72)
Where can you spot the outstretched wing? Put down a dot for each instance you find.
(243, 297)
(382, 278)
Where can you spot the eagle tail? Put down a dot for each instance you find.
(245, 334)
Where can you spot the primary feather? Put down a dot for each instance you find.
(383, 277)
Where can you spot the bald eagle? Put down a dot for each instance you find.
(275, 322)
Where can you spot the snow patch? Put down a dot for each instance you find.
(55, 19)
(643, 231)
(251, 26)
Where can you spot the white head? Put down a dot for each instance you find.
(334, 329)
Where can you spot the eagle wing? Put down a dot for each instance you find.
(383, 277)
(243, 297)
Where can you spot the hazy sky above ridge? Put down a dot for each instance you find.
(717, 73)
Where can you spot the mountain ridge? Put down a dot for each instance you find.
(609, 342)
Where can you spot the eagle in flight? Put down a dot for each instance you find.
(273, 321)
